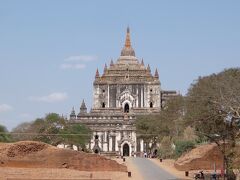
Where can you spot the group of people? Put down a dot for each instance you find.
(147, 155)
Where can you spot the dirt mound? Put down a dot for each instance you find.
(22, 149)
(30, 154)
(202, 157)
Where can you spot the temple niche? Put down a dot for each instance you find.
(125, 89)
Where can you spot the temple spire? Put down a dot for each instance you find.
(142, 63)
(156, 73)
(148, 68)
(128, 40)
(83, 105)
(83, 108)
(111, 63)
(105, 68)
(97, 73)
(127, 49)
(72, 115)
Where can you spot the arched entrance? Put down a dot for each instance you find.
(125, 149)
(155, 152)
(126, 108)
(96, 151)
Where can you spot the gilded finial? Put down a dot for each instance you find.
(127, 49)
(128, 40)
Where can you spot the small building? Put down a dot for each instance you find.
(125, 89)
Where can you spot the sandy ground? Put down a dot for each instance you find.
(65, 174)
(57, 174)
(10, 173)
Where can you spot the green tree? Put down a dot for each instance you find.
(53, 129)
(45, 129)
(183, 146)
(4, 136)
(151, 129)
(169, 122)
(76, 134)
(213, 108)
(173, 114)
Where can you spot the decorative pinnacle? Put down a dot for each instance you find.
(72, 113)
(148, 68)
(156, 73)
(97, 74)
(128, 40)
(111, 63)
(105, 67)
(142, 63)
(83, 105)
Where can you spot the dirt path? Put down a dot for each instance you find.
(151, 171)
(135, 174)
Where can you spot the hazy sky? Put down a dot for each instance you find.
(50, 49)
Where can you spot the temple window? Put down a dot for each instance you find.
(103, 105)
(96, 137)
(151, 105)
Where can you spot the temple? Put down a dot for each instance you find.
(126, 88)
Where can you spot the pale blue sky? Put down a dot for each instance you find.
(50, 49)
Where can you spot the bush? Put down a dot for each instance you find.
(165, 150)
(182, 147)
(4, 136)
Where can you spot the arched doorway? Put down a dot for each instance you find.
(155, 152)
(96, 151)
(125, 149)
(126, 108)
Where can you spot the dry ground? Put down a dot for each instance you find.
(35, 160)
(57, 174)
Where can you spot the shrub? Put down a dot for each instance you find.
(182, 147)
(165, 150)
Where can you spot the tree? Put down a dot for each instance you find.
(189, 134)
(20, 133)
(173, 114)
(49, 129)
(53, 129)
(169, 122)
(76, 134)
(147, 130)
(165, 149)
(213, 108)
(4, 136)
